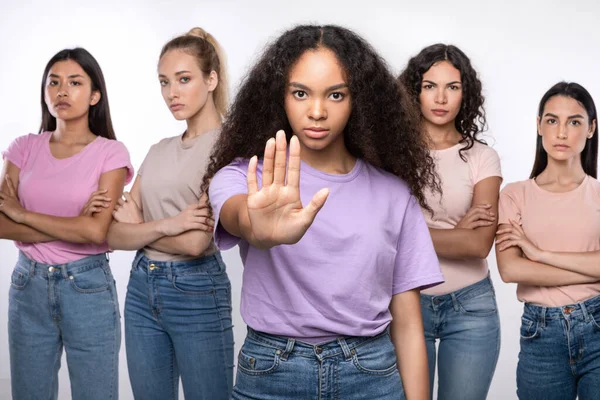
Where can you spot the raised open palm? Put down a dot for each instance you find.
(275, 211)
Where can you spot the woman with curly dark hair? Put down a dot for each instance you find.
(462, 312)
(331, 280)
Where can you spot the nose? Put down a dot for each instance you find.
(317, 110)
(562, 131)
(62, 91)
(440, 96)
(173, 91)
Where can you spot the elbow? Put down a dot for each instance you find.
(97, 236)
(506, 274)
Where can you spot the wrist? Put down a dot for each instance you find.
(24, 217)
(544, 257)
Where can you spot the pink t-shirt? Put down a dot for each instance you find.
(62, 187)
(458, 184)
(565, 222)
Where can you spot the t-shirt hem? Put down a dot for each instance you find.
(422, 283)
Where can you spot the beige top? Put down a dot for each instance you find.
(170, 179)
(566, 222)
(458, 179)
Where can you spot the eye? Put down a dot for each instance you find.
(184, 79)
(454, 87)
(75, 83)
(428, 86)
(299, 94)
(163, 82)
(52, 83)
(575, 122)
(337, 96)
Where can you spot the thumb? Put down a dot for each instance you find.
(316, 203)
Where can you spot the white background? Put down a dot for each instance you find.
(520, 49)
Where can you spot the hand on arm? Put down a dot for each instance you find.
(9, 229)
(409, 342)
(80, 229)
(474, 234)
(274, 214)
(520, 261)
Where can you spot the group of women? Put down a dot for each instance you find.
(364, 206)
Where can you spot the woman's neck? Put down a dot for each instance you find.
(334, 159)
(75, 131)
(562, 173)
(441, 136)
(206, 119)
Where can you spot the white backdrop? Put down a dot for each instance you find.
(520, 49)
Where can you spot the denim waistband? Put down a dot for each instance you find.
(285, 346)
(67, 269)
(580, 310)
(169, 268)
(483, 286)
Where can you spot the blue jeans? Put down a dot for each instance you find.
(467, 325)
(349, 368)
(560, 352)
(178, 323)
(74, 306)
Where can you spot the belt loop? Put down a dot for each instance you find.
(584, 310)
(455, 302)
(107, 256)
(136, 260)
(169, 271)
(288, 349)
(543, 317)
(345, 349)
(31, 267)
(63, 270)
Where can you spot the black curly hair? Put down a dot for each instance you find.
(383, 128)
(470, 121)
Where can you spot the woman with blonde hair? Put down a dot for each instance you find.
(178, 304)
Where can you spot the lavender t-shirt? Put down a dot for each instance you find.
(368, 243)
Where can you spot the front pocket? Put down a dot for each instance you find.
(482, 305)
(595, 318)
(194, 284)
(94, 280)
(19, 278)
(529, 329)
(375, 358)
(261, 362)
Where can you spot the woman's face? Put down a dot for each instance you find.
(441, 94)
(68, 92)
(184, 86)
(564, 127)
(317, 99)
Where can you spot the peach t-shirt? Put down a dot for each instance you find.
(458, 180)
(170, 180)
(565, 222)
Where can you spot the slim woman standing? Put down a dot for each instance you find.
(62, 291)
(549, 244)
(461, 313)
(178, 305)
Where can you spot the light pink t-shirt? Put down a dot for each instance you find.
(458, 183)
(564, 222)
(62, 187)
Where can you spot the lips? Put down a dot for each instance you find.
(439, 112)
(176, 107)
(61, 105)
(561, 147)
(316, 132)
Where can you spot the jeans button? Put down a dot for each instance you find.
(318, 350)
(51, 269)
(436, 302)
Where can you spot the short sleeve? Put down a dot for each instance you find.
(227, 182)
(118, 157)
(416, 265)
(140, 171)
(489, 164)
(18, 151)
(510, 204)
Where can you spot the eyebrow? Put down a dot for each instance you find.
(576, 116)
(449, 83)
(70, 76)
(176, 74)
(329, 89)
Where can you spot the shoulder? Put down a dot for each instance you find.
(384, 180)
(111, 146)
(482, 152)
(516, 190)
